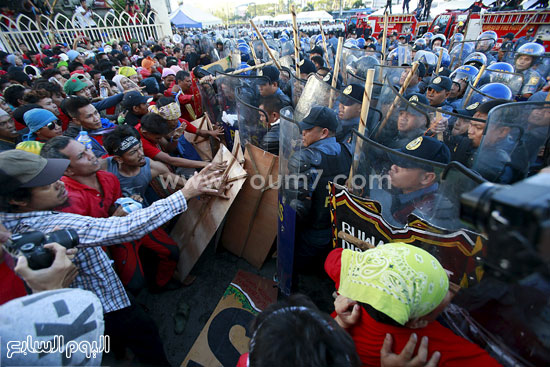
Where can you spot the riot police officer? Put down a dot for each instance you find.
(349, 112)
(320, 160)
(525, 60)
(272, 86)
(485, 43)
(438, 91)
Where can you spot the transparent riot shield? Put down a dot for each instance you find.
(297, 87)
(401, 208)
(287, 62)
(207, 47)
(459, 52)
(403, 120)
(395, 75)
(512, 141)
(287, 48)
(356, 61)
(514, 81)
(252, 121)
(227, 86)
(228, 46)
(261, 52)
(290, 145)
(318, 92)
(540, 65)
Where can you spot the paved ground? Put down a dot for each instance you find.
(214, 271)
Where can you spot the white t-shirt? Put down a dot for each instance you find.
(86, 19)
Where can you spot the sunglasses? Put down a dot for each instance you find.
(52, 124)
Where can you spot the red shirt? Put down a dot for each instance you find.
(369, 335)
(150, 149)
(85, 200)
(11, 286)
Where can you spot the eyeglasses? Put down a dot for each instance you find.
(52, 124)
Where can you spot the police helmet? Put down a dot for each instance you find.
(501, 66)
(428, 35)
(457, 37)
(492, 91)
(420, 44)
(486, 41)
(361, 42)
(438, 36)
(477, 59)
(465, 72)
(445, 57)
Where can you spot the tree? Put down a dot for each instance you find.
(308, 7)
(357, 4)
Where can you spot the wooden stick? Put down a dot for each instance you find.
(363, 245)
(384, 42)
(265, 45)
(296, 41)
(452, 62)
(363, 120)
(337, 62)
(439, 60)
(189, 109)
(438, 117)
(256, 61)
(240, 71)
(471, 91)
(396, 99)
(324, 43)
(336, 71)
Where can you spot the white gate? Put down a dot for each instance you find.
(61, 29)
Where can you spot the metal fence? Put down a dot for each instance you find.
(61, 29)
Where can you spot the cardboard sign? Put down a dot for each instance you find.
(251, 224)
(196, 227)
(201, 144)
(361, 219)
(225, 336)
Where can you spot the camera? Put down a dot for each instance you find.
(516, 219)
(31, 245)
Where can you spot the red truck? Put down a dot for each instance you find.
(502, 22)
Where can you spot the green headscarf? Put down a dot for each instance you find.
(399, 280)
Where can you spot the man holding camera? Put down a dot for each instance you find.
(31, 189)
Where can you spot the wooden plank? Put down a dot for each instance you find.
(224, 337)
(251, 225)
(196, 227)
(202, 145)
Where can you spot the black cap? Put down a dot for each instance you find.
(421, 69)
(441, 82)
(133, 98)
(414, 99)
(355, 91)
(306, 66)
(470, 110)
(271, 73)
(424, 147)
(320, 116)
(316, 50)
(509, 36)
(443, 71)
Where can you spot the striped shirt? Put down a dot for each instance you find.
(95, 272)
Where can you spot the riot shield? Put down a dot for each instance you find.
(403, 120)
(391, 204)
(297, 87)
(356, 62)
(287, 48)
(207, 47)
(252, 121)
(459, 52)
(395, 75)
(290, 144)
(510, 145)
(226, 86)
(514, 81)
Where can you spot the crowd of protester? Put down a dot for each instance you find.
(83, 127)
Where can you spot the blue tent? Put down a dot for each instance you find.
(180, 20)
